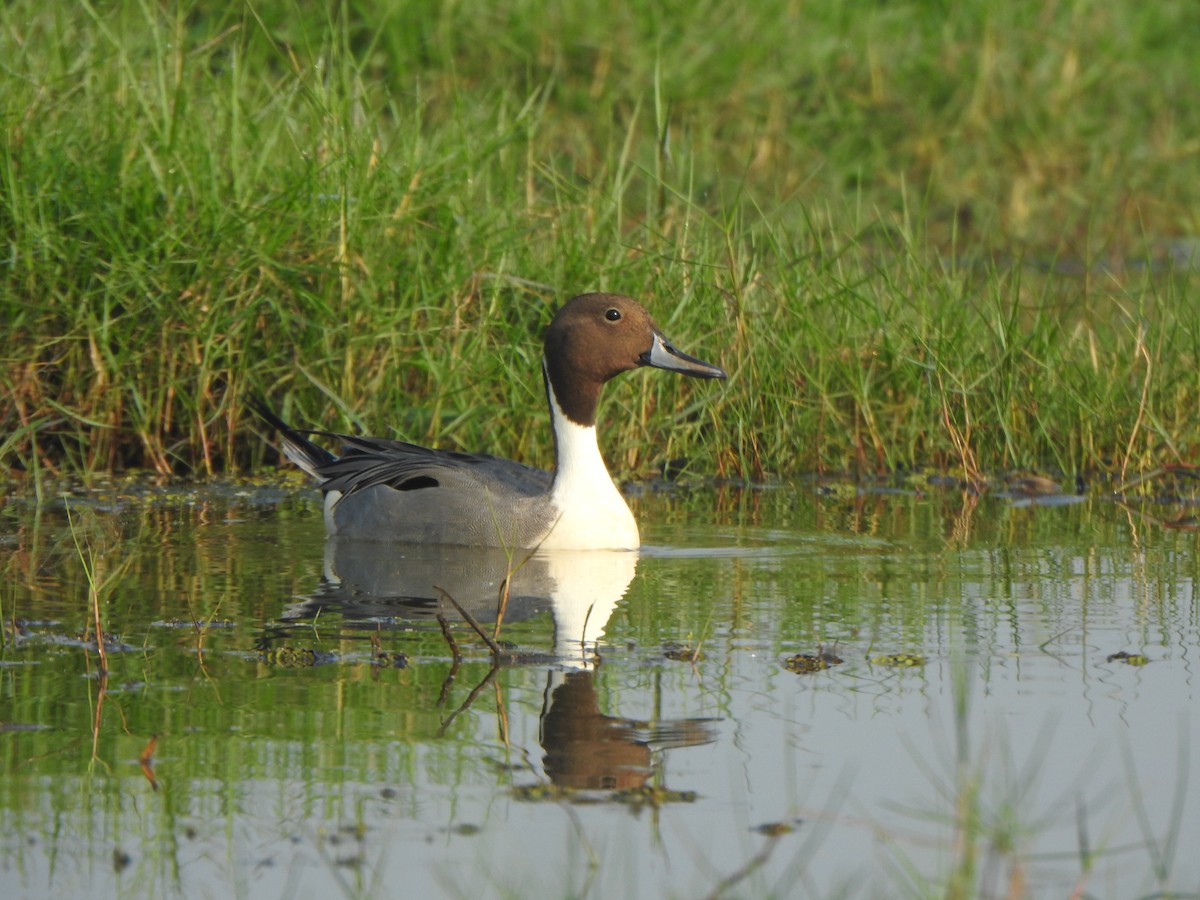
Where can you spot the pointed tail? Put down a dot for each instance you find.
(296, 447)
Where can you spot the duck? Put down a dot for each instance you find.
(380, 489)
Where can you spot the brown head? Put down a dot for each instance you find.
(595, 337)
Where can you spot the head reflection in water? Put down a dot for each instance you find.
(588, 750)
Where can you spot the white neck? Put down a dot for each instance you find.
(592, 513)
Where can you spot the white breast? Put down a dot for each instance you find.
(592, 514)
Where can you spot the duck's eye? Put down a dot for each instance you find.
(612, 314)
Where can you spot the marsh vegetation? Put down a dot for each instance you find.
(961, 236)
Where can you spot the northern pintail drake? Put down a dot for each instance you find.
(381, 489)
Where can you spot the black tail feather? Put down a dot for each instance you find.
(296, 446)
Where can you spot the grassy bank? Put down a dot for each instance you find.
(915, 233)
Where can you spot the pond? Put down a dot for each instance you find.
(790, 691)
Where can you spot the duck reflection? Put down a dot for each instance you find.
(369, 584)
(366, 583)
(587, 750)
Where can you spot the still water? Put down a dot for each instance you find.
(787, 693)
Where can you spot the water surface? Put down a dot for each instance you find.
(281, 717)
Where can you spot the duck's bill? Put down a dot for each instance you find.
(662, 355)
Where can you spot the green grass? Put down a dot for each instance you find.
(915, 233)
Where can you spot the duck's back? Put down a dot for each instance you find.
(389, 490)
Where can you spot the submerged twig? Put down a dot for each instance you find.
(470, 701)
(455, 661)
(473, 622)
(1185, 521)
(446, 633)
(1138, 480)
(1182, 469)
